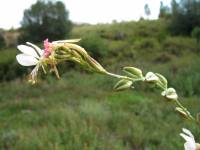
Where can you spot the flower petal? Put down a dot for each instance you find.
(188, 139)
(150, 76)
(189, 146)
(163, 93)
(26, 60)
(27, 50)
(36, 47)
(66, 41)
(172, 96)
(186, 131)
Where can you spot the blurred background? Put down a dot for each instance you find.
(81, 111)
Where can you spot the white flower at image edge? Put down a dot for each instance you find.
(189, 138)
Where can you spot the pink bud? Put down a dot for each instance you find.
(47, 48)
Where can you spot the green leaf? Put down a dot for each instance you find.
(163, 80)
(133, 72)
(123, 84)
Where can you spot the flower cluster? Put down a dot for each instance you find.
(54, 53)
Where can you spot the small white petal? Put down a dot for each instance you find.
(163, 93)
(150, 76)
(172, 96)
(171, 93)
(171, 90)
(188, 139)
(186, 131)
(66, 41)
(36, 47)
(27, 50)
(26, 60)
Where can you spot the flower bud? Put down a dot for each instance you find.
(151, 77)
(123, 84)
(170, 94)
(133, 72)
(181, 112)
(94, 65)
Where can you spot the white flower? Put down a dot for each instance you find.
(31, 56)
(151, 77)
(189, 138)
(170, 93)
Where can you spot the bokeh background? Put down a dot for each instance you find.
(81, 111)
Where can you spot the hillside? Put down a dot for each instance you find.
(81, 111)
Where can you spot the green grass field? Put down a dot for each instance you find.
(82, 112)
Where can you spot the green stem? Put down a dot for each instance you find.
(123, 77)
(185, 110)
(177, 101)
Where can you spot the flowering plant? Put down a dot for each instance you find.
(66, 50)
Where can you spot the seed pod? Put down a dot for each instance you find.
(133, 72)
(123, 84)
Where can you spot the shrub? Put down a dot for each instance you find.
(2, 41)
(147, 44)
(187, 80)
(10, 69)
(45, 19)
(196, 33)
(176, 45)
(96, 46)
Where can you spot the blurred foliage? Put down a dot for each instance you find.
(191, 77)
(145, 44)
(95, 45)
(45, 19)
(81, 111)
(185, 16)
(10, 69)
(196, 33)
(147, 10)
(164, 11)
(2, 41)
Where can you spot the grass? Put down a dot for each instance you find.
(86, 114)
(81, 111)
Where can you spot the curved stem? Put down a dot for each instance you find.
(185, 110)
(177, 101)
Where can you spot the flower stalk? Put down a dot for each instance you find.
(66, 50)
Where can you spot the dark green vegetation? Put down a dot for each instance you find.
(183, 15)
(2, 41)
(81, 111)
(45, 19)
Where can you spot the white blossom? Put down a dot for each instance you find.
(30, 56)
(189, 138)
(151, 77)
(170, 93)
